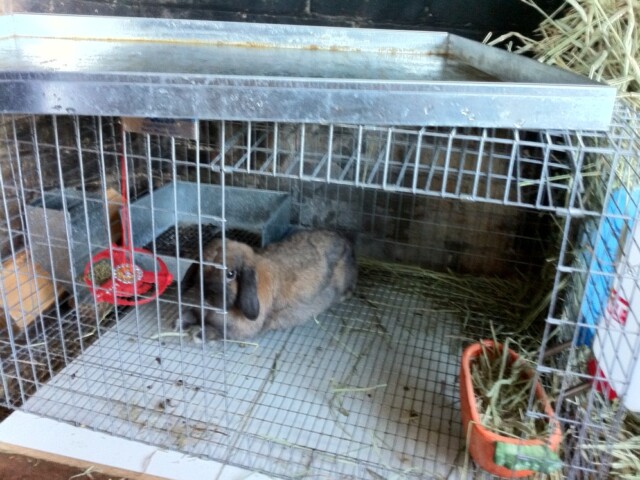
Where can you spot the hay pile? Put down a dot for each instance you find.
(596, 38)
(514, 306)
(502, 392)
(617, 443)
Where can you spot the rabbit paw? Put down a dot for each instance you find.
(185, 320)
(210, 334)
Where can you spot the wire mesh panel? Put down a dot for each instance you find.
(591, 339)
(460, 233)
(544, 170)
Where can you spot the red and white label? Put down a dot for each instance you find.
(617, 308)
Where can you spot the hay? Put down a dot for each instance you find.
(502, 390)
(596, 38)
(87, 473)
(100, 272)
(622, 451)
(356, 389)
(168, 334)
(512, 305)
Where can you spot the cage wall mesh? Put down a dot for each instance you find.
(369, 389)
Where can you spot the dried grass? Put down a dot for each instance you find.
(513, 305)
(502, 389)
(622, 452)
(596, 38)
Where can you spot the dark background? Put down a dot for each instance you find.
(470, 18)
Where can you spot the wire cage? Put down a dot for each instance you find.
(372, 385)
(462, 232)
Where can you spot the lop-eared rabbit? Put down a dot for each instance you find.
(281, 286)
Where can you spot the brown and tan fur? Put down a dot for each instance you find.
(280, 286)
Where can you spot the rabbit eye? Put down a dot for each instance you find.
(231, 274)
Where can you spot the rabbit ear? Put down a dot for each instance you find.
(247, 300)
(190, 277)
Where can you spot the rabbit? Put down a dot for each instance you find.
(280, 286)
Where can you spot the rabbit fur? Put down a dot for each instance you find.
(281, 286)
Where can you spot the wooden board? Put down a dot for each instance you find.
(28, 290)
(46, 440)
(114, 202)
(17, 463)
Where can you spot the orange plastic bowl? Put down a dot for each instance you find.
(481, 441)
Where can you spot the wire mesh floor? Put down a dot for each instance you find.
(368, 390)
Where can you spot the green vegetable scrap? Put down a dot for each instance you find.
(102, 271)
(538, 458)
